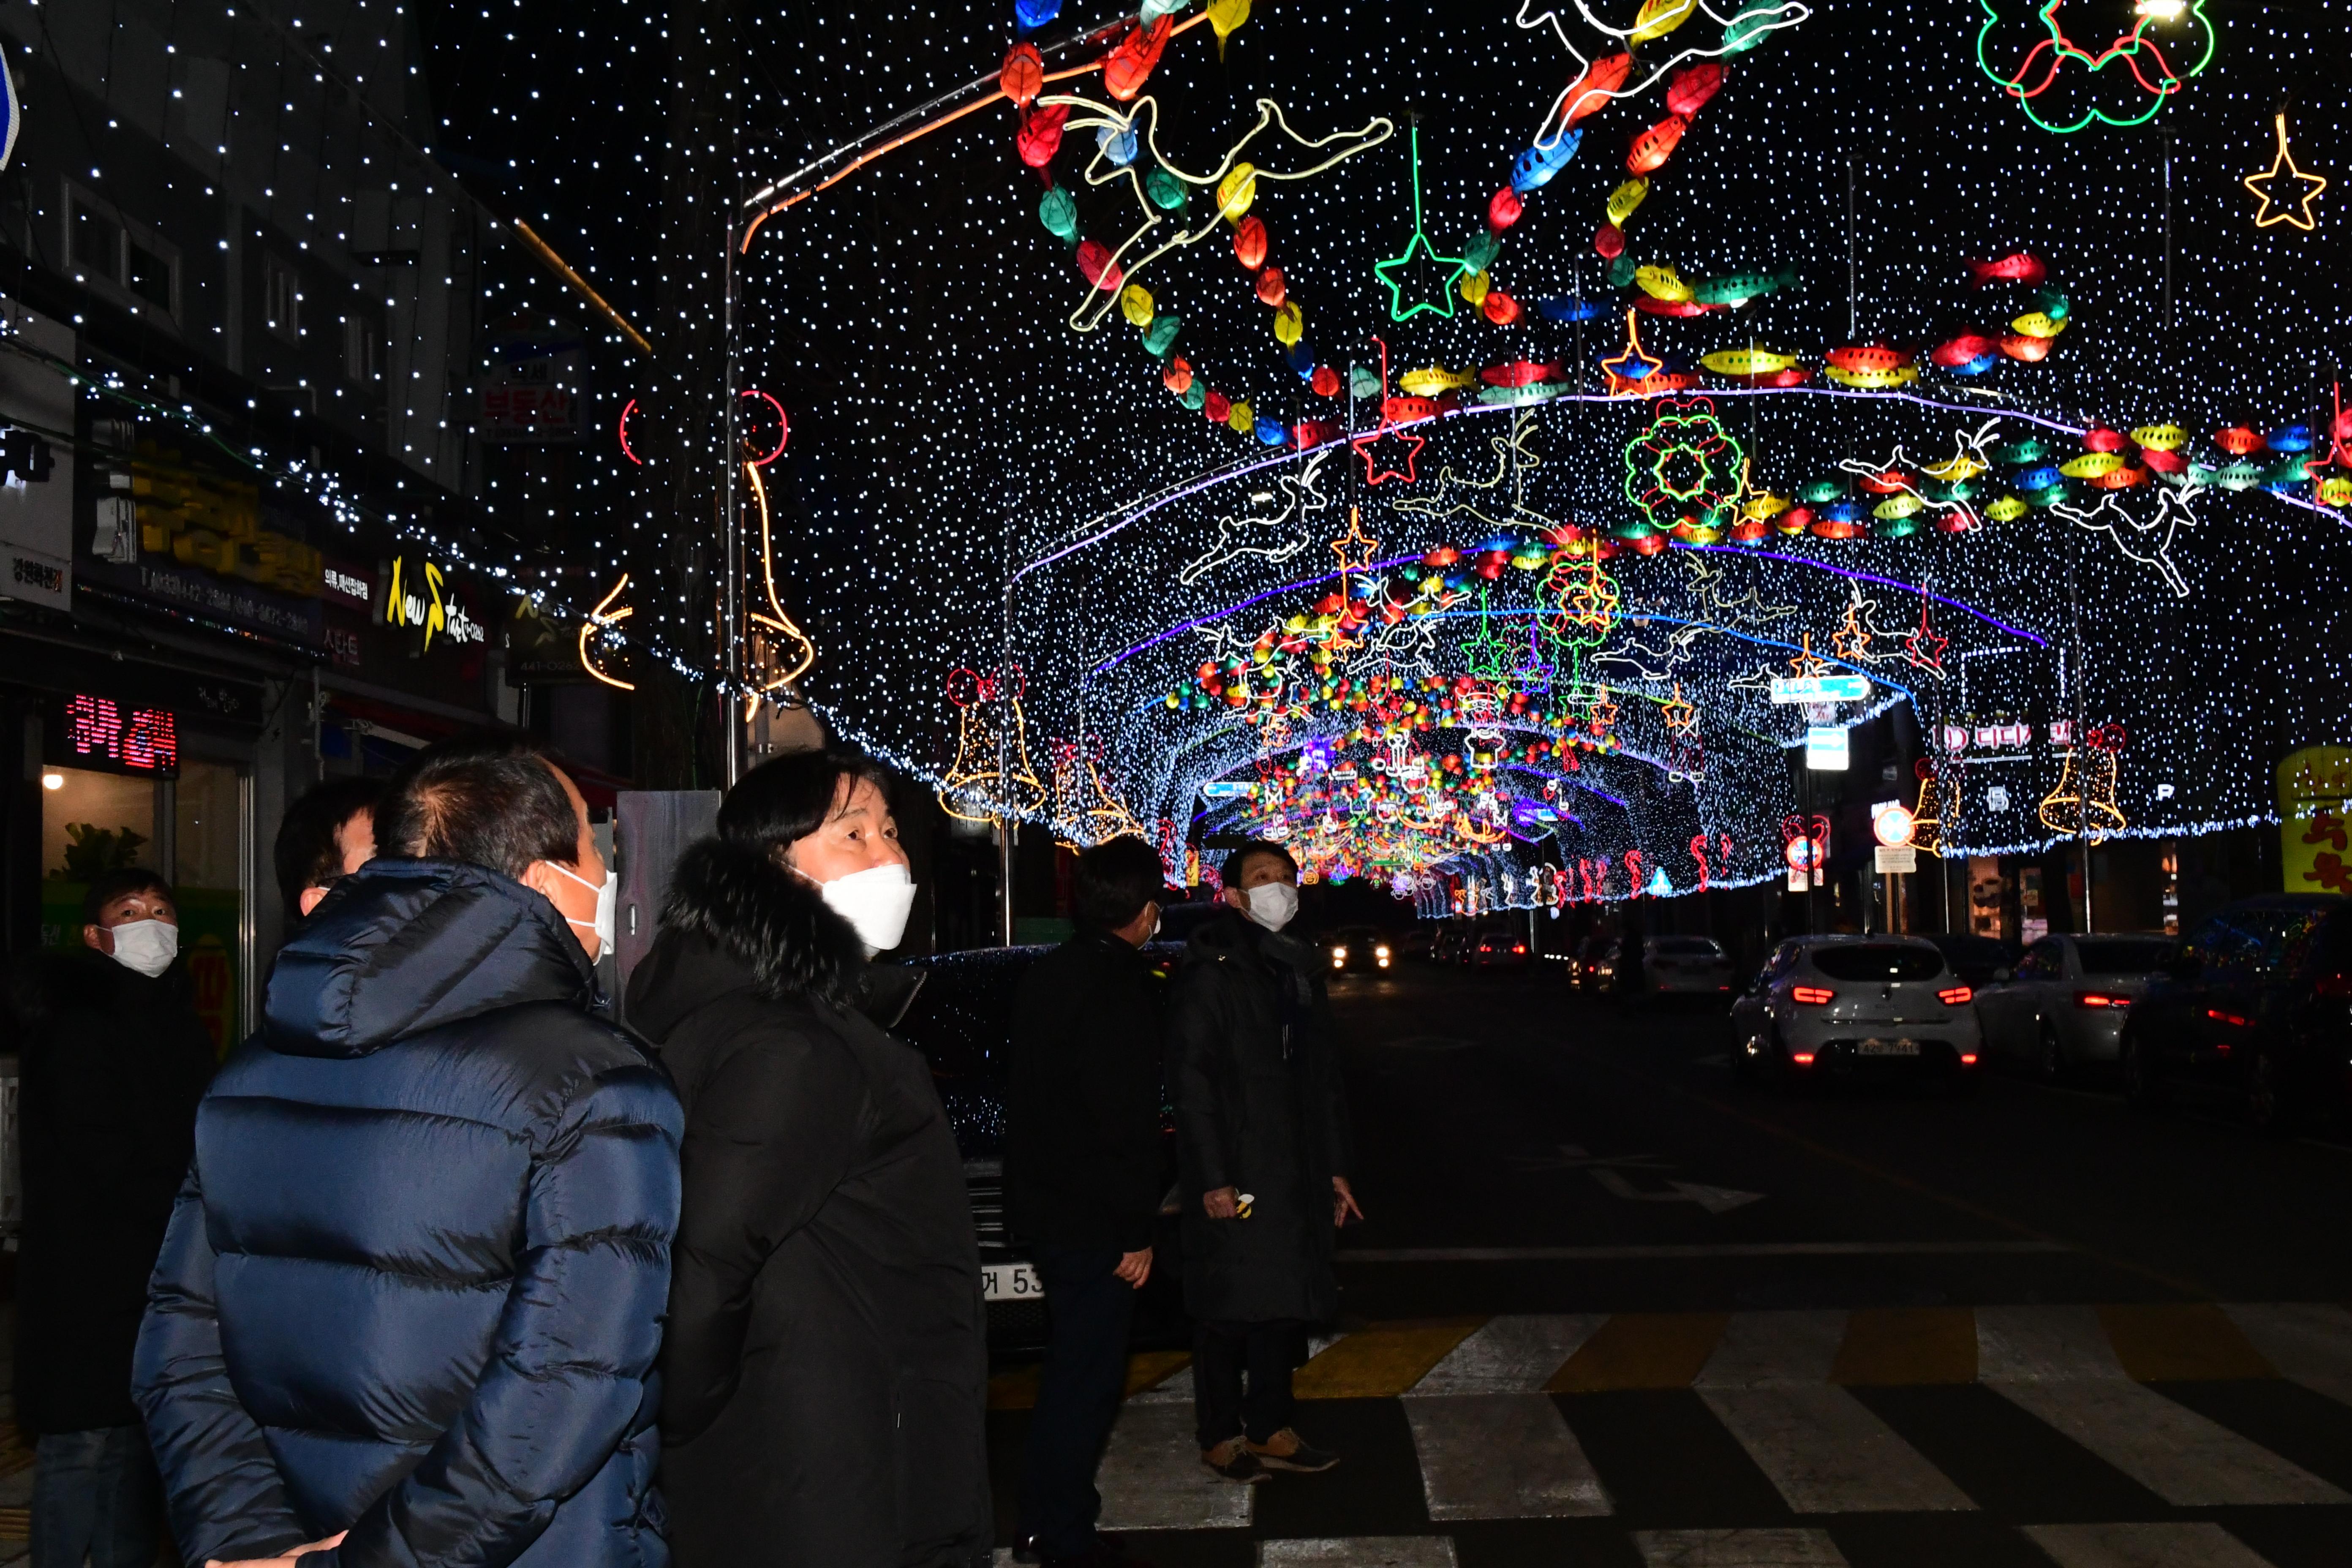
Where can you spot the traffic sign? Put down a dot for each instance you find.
(1821, 688)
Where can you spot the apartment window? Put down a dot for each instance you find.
(120, 260)
(363, 350)
(281, 305)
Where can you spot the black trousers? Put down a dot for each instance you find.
(1220, 1352)
(1088, 1309)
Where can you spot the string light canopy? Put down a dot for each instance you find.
(2032, 439)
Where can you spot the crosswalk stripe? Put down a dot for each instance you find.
(2309, 1343)
(1508, 1355)
(1359, 1552)
(2180, 1341)
(1382, 1360)
(1737, 1549)
(1502, 1455)
(1641, 1350)
(1896, 1346)
(1827, 1453)
(2037, 1344)
(1759, 1348)
(2186, 1459)
(2143, 1546)
(1151, 1477)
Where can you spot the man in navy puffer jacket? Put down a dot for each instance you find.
(410, 1300)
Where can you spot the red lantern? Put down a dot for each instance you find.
(1094, 261)
(1178, 376)
(1591, 92)
(1270, 289)
(1688, 94)
(1024, 76)
(2237, 441)
(1326, 382)
(1249, 243)
(1217, 408)
(1609, 241)
(2028, 351)
(1126, 67)
(1501, 308)
(2165, 462)
(2099, 438)
(1503, 210)
(1965, 349)
(1041, 135)
(1653, 147)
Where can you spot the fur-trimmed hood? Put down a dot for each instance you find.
(735, 919)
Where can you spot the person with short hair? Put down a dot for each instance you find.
(826, 1379)
(1261, 1148)
(1083, 1177)
(113, 1059)
(328, 834)
(412, 1293)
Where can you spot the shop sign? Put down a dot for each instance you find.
(1827, 748)
(87, 730)
(542, 650)
(419, 597)
(535, 389)
(1821, 688)
(35, 487)
(2315, 796)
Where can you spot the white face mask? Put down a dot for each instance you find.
(607, 892)
(1273, 904)
(147, 946)
(874, 902)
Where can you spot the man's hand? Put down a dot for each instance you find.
(1134, 1268)
(1222, 1204)
(1343, 1201)
(329, 1544)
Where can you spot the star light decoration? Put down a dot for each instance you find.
(2291, 203)
(1417, 250)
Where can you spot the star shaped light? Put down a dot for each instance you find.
(1376, 467)
(1355, 548)
(1633, 364)
(1388, 271)
(2275, 211)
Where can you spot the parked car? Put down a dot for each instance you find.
(1359, 948)
(1685, 967)
(1859, 1006)
(962, 1020)
(1447, 945)
(2256, 1006)
(1413, 942)
(2063, 1008)
(1498, 944)
(1593, 968)
(1977, 960)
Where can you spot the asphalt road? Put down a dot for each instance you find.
(1609, 1307)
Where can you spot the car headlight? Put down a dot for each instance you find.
(1380, 952)
(1339, 955)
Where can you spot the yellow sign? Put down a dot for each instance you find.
(415, 599)
(2315, 820)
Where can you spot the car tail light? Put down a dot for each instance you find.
(1521, 947)
(1956, 996)
(1968, 1059)
(1802, 1058)
(1812, 996)
(2100, 999)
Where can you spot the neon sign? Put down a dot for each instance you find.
(2063, 85)
(139, 740)
(2296, 208)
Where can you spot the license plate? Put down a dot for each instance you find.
(1887, 1048)
(1009, 1282)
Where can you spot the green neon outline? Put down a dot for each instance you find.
(1660, 444)
(2121, 51)
(1420, 241)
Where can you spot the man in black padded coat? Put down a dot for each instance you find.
(1262, 1157)
(1082, 1179)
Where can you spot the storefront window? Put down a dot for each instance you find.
(207, 861)
(90, 823)
(191, 831)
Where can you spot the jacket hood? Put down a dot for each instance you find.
(735, 917)
(409, 945)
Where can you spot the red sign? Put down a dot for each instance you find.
(99, 732)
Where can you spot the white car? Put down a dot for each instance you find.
(1685, 967)
(2062, 1009)
(1865, 1006)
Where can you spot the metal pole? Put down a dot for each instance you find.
(1006, 827)
(1853, 263)
(730, 597)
